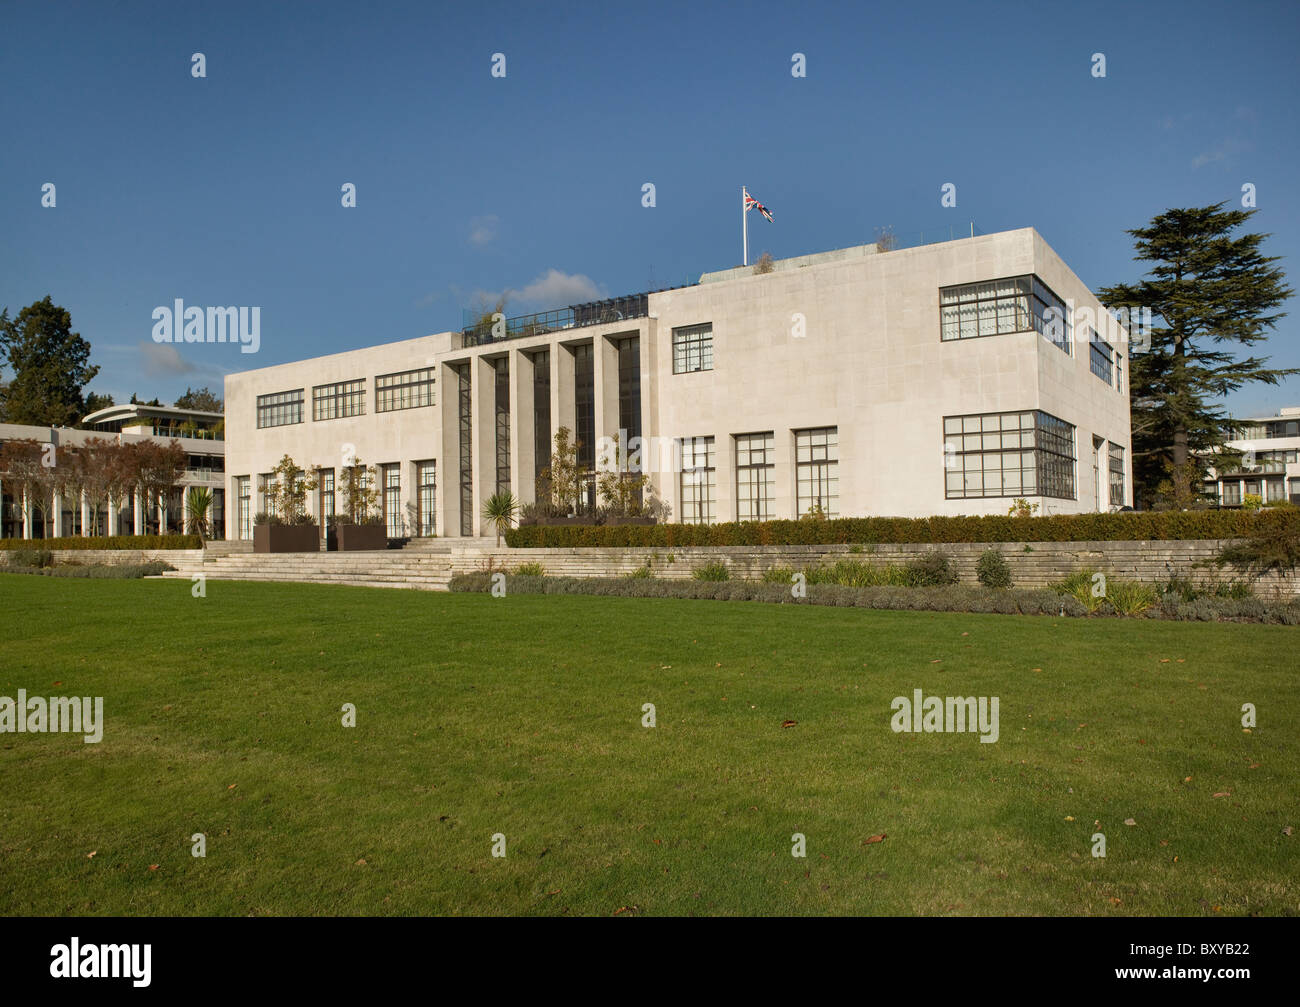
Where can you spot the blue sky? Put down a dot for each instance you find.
(226, 190)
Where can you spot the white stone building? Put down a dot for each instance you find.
(943, 379)
(1270, 463)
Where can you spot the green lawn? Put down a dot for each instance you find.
(522, 716)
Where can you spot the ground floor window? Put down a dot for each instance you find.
(817, 472)
(755, 476)
(1116, 475)
(1028, 453)
(426, 478)
(244, 514)
(697, 482)
(392, 488)
(1231, 494)
(1273, 489)
(325, 499)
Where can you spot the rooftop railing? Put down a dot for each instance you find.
(613, 309)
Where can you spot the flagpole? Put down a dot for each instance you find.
(744, 225)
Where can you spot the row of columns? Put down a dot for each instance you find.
(137, 507)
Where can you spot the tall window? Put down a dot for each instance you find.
(1116, 475)
(584, 402)
(404, 390)
(343, 398)
(465, 410)
(218, 514)
(1027, 453)
(1273, 489)
(1101, 358)
(541, 412)
(693, 348)
(325, 500)
(244, 505)
(629, 387)
(698, 486)
(266, 494)
(426, 477)
(392, 476)
(817, 478)
(1232, 493)
(502, 373)
(755, 476)
(279, 409)
(1016, 304)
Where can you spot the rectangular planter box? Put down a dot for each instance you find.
(286, 538)
(359, 537)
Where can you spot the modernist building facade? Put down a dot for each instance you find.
(199, 433)
(1270, 463)
(943, 379)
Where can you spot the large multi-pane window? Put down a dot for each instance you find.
(426, 480)
(1293, 488)
(629, 387)
(817, 471)
(1028, 453)
(1232, 493)
(1101, 358)
(584, 405)
(465, 412)
(266, 494)
(501, 369)
(404, 390)
(755, 476)
(279, 409)
(218, 521)
(244, 508)
(693, 348)
(1273, 489)
(343, 398)
(541, 413)
(392, 490)
(697, 480)
(1016, 304)
(1116, 475)
(325, 498)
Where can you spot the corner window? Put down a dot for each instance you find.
(996, 307)
(1028, 453)
(693, 348)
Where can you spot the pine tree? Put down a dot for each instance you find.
(50, 364)
(1207, 290)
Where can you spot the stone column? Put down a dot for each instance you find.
(27, 514)
(85, 515)
(137, 497)
(57, 531)
(483, 439)
(522, 448)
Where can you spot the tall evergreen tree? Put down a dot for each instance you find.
(1207, 290)
(203, 399)
(50, 364)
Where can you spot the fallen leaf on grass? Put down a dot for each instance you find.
(91, 854)
(1286, 830)
(1130, 821)
(232, 786)
(875, 839)
(1187, 779)
(1222, 793)
(361, 862)
(153, 867)
(789, 723)
(625, 909)
(1069, 818)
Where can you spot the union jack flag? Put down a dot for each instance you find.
(753, 204)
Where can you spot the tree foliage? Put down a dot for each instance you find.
(50, 365)
(1212, 293)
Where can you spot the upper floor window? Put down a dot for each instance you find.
(279, 408)
(1101, 358)
(1015, 304)
(404, 390)
(693, 348)
(344, 398)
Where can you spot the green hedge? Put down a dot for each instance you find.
(951, 598)
(121, 571)
(1128, 527)
(115, 542)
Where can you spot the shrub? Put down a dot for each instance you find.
(1128, 597)
(1128, 527)
(1081, 586)
(1273, 546)
(993, 570)
(931, 570)
(777, 575)
(101, 571)
(712, 572)
(115, 542)
(643, 572)
(530, 570)
(35, 558)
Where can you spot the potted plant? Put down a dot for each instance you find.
(362, 527)
(288, 527)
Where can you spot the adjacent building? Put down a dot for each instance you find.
(944, 379)
(201, 434)
(1270, 461)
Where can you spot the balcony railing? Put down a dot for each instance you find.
(614, 309)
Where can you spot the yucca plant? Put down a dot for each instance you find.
(501, 508)
(198, 499)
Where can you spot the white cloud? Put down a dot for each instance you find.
(483, 230)
(164, 360)
(555, 288)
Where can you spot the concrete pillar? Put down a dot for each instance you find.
(483, 442)
(522, 449)
(113, 503)
(137, 498)
(27, 514)
(85, 515)
(448, 459)
(57, 532)
(185, 512)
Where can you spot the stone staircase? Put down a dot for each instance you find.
(422, 565)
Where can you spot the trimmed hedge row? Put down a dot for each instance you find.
(115, 542)
(1128, 527)
(953, 598)
(120, 571)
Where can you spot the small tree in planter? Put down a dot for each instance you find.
(621, 489)
(363, 524)
(289, 528)
(564, 474)
(198, 500)
(500, 508)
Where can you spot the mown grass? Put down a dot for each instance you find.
(522, 716)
